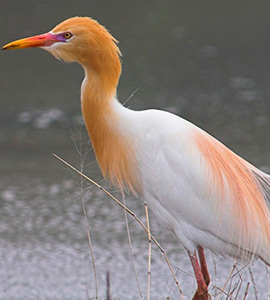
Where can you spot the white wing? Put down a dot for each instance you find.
(200, 190)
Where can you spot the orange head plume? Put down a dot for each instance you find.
(82, 40)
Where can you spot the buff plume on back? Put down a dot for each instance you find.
(242, 191)
(196, 187)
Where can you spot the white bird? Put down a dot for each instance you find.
(196, 187)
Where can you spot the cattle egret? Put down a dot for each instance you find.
(208, 196)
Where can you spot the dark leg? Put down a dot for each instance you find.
(204, 268)
(202, 290)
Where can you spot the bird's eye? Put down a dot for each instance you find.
(67, 35)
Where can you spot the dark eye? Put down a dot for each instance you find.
(67, 35)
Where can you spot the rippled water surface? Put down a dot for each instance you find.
(209, 63)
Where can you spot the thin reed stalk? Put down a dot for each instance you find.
(149, 251)
(108, 282)
(87, 225)
(131, 249)
(227, 281)
(246, 292)
(90, 247)
(268, 283)
(253, 284)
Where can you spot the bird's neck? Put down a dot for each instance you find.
(113, 146)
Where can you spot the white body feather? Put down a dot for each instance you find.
(172, 171)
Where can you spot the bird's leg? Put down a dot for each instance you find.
(204, 268)
(202, 290)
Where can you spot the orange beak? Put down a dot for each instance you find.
(42, 40)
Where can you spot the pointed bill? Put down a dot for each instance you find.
(42, 40)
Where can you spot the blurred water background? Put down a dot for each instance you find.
(207, 61)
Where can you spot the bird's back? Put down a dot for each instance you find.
(201, 190)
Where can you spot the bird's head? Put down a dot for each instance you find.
(79, 39)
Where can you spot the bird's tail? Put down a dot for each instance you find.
(244, 195)
(263, 181)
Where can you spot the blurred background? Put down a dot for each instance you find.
(207, 61)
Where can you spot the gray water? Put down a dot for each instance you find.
(207, 61)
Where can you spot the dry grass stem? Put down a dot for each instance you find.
(268, 285)
(131, 95)
(214, 279)
(222, 292)
(149, 251)
(90, 247)
(131, 249)
(237, 285)
(227, 281)
(108, 292)
(239, 288)
(87, 225)
(253, 284)
(246, 292)
(183, 271)
(131, 213)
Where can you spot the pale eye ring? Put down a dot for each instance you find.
(67, 35)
